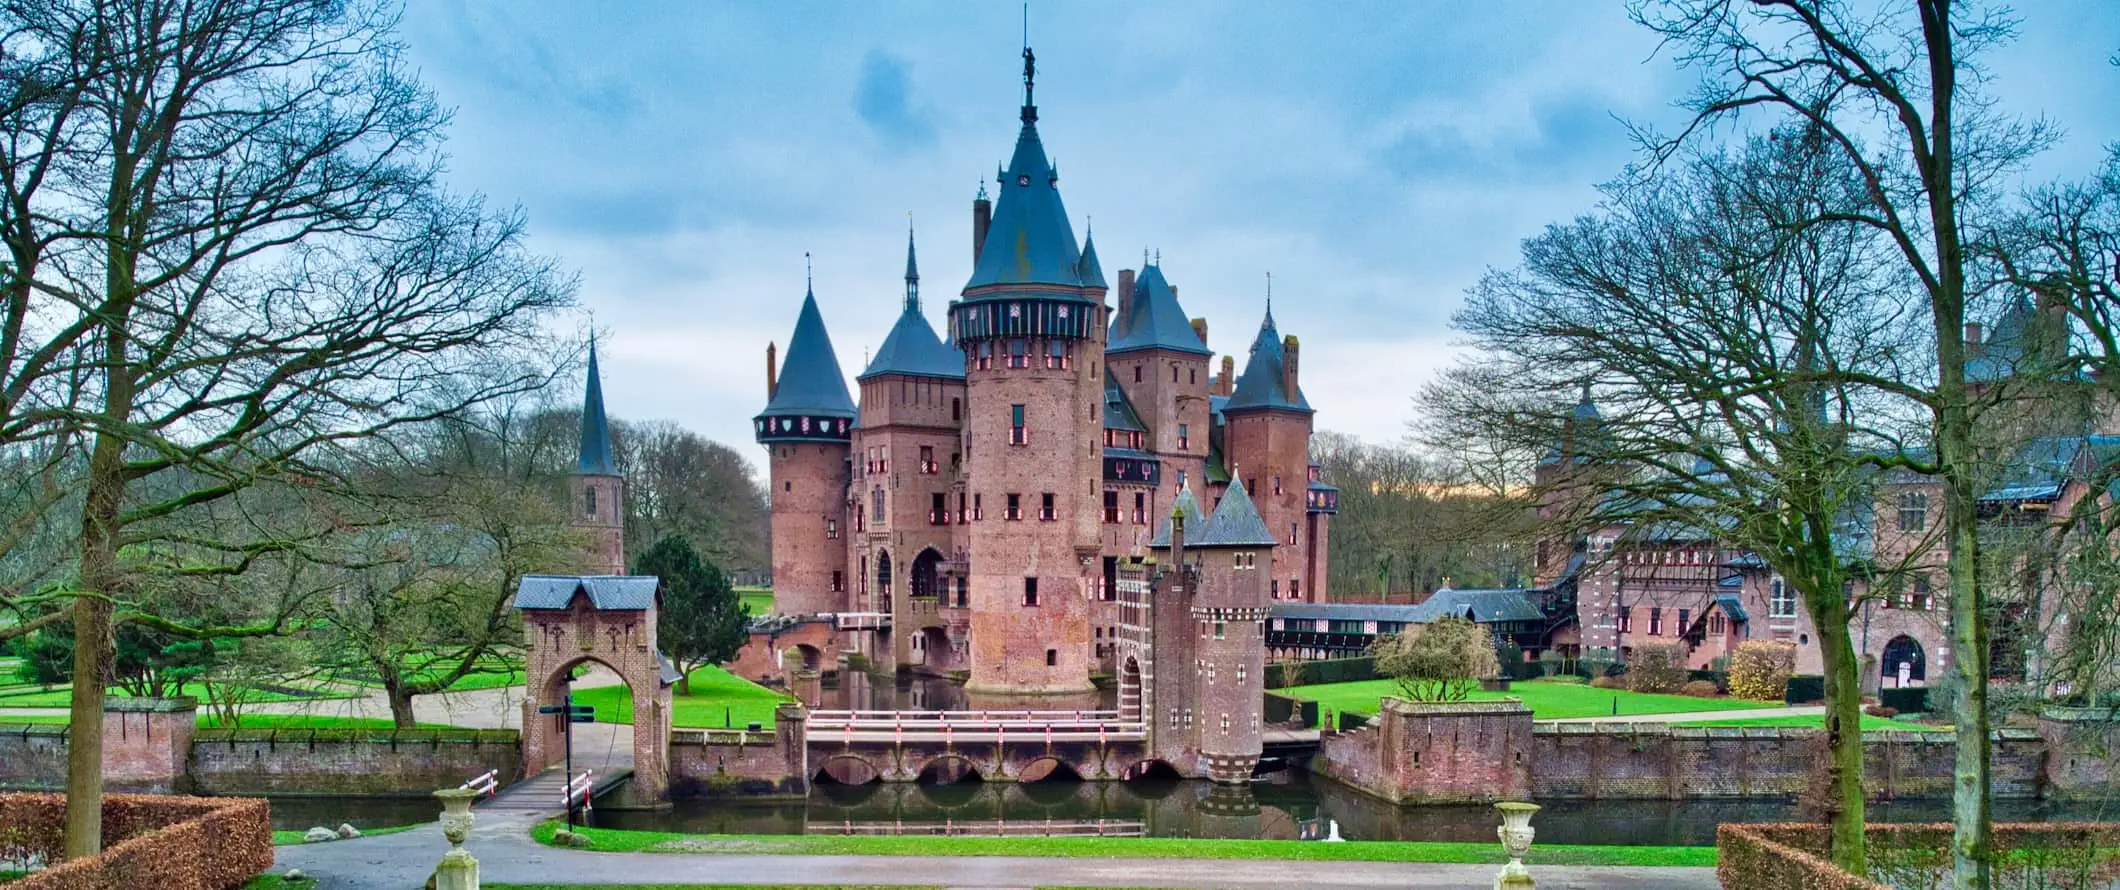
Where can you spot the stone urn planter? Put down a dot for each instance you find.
(458, 871)
(1516, 834)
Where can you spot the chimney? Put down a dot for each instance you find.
(772, 382)
(982, 218)
(1289, 354)
(1225, 383)
(1200, 330)
(1126, 299)
(1972, 333)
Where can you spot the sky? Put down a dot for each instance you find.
(1375, 158)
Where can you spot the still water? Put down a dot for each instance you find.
(1287, 806)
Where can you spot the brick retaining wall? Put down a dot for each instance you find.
(716, 762)
(1658, 760)
(324, 762)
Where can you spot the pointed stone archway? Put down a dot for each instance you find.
(609, 620)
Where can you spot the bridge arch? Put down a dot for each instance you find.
(848, 769)
(1150, 769)
(1048, 769)
(949, 769)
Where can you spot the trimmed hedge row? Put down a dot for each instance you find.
(1791, 856)
(1805, 689)
(1905, 700)
(1282, 709)
(1330, 670)
(168, 843)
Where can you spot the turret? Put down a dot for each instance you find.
(1231, 608)
(1267, 443)
(1031, 323)
(1157, 357)
(806, 425)
(598, 490)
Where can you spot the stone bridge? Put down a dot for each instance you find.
(858, 747)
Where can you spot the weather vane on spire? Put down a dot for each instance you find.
(1030, 67)
(809, 274)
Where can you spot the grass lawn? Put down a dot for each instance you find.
(290, 837)
(1548, 699)
(714, 693)
(760, 599)
(61, 696)
(1869, 723)
(492, 672)
(617, 841)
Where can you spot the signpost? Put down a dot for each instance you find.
(575, 714)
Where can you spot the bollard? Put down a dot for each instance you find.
(1516, 834)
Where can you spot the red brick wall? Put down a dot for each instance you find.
(412, 763)
(711, 763)
(145, 742)
(1463, 752)
(808, 485)
(1261, 445)
(605, 528)
(1662, 761)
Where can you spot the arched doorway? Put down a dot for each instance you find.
(927, 574)
(883, 582)
(937, 653)
(1130, 690)
(609, 621)
(1902, 661)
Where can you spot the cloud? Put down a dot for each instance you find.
(884, 99)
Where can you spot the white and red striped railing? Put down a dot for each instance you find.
(898, 727)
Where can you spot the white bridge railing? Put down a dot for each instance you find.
(988, 828)
(973, 726)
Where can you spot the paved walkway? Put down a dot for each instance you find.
(1818, 711)
(507, 855)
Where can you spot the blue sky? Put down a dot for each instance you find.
(1375, 157)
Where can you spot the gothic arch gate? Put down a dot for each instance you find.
(607, 620)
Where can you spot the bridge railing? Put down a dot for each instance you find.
(961, 718)
(989, 828)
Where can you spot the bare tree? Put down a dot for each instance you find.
(242, 249)
(1894, 91)
(1750, 373)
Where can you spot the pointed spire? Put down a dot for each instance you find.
(595, 457)
(1236, 522)
(1092, 272)
(1263, 383)
(1154, 319)
(1030, 240)
(811, 385)
(1187, 507)
(912, 269)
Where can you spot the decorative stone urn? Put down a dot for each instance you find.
(458, 871)
(1516, 834)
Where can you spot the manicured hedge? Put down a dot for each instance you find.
(1331, 670)
(167, 843)
(1791, 856)
(1805, 689)
(1906, 700)
(1281, 709)
(1350, 721)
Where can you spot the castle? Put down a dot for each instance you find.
(990, 505)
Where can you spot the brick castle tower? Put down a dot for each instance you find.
(1032, 327)
(1268, 435)
(1208, 609)
(598, 491)
(805, 428)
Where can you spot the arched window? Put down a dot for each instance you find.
(589, 502)
(883, 578)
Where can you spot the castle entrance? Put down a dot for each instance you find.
(605, 621)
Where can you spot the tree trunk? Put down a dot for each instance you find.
(1972, 817)
(684, 682)
(92, 634)
(400, 705)
(1844, 761)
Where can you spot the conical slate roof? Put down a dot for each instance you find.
(595, 457)
(912, 346)
(1030, 240)
(1187, 506)
(1092, 271)
(1261, 384)
(1583, 423)
(1236, 522)
(2005, 347)
(810, 382)
(1154, 320)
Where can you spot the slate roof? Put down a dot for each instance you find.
(2005, 345)
(1029, 240)
(912, 348)
(595, 456)
(1483, 606)
(1119, 413)
(1092, 272)
(1732, 606)
(1153, 319)
(810, 382)
(1583, 419)
(1236, 523)
(1261, 384)
(609, 593)
(1187, 505)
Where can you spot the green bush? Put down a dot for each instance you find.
(1331, 670)
(1910, 700)
(1805, 688)
(1657, 667)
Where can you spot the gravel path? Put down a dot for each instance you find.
(507, 855)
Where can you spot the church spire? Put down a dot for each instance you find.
(912, 271)
(595, 458)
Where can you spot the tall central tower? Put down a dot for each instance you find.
(1031, 324)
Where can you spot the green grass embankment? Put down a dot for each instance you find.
(718, 698)
(1547, 699)
(619, 841)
